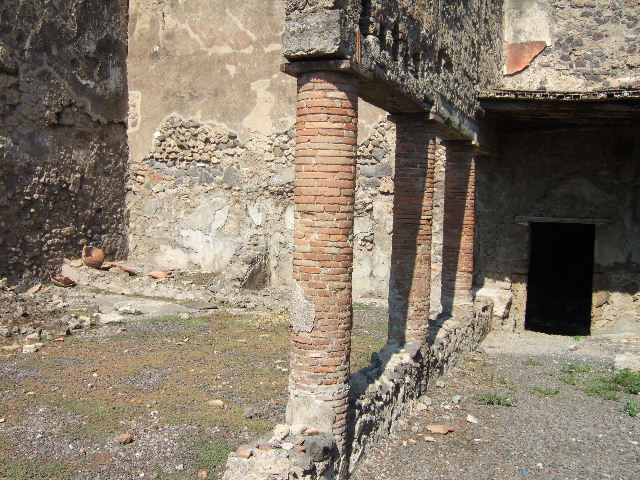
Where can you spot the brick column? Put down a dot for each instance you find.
(459, 227)
(321, 310)
(410, 280)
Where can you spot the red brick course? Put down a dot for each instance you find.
(410, 281)
(324, 196)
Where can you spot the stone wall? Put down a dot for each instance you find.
(205, 200)
(586, 44)
(63, 145)
(211, 172)
(570, 173)
(436, 53)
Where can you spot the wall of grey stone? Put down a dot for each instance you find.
(591, 44)
(205, 200)
(210, 129)
(438, 53)
(63, 144)
(568, 173)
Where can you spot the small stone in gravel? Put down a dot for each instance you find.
(128, 310)
(202, 474)
(32, 348)
(411, 441)
(287, 446)
(426, 400)
(456, 399)
(440, 384)
(420, 407)
(249, 412)
(216, 403)
(472, 419)
(429, 439)
(2, 420)
(107, 318)
(5, 332)
(441, 429)
(312, 431)
(125, 438)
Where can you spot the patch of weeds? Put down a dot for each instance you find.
(495, 399)
(620, 381)
(632, 408)
(602, 390)
(362, 348)
(197, 322)
(4, 445)
(101, 420)
(573, 368)
(569, 380)
(627, 380)
(365, 307)
(532, 362)
(23, 470)
(545, 392)
(213, 455)
(577, 338)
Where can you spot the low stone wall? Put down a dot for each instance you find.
(382, 394)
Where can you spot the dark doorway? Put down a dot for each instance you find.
(560, 278)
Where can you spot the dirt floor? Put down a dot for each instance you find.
(136, 386)
(542, 408)
(125, 377)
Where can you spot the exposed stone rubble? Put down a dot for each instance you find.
(63, 143)
(206, 200)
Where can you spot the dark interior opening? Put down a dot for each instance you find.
(560, 278)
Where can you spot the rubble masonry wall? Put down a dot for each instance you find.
(591, 44)
(63, 143)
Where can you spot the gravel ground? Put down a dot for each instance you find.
(555, 431)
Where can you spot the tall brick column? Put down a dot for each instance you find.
(410, 280)
(321, 309)
(459, 227)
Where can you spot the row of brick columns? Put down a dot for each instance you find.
(321, 310)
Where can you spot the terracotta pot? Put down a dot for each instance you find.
(92, 257)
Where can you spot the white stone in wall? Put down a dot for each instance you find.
(256, 215)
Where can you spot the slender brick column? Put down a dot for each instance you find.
(459, 227)
(410, 281)
(321, 310)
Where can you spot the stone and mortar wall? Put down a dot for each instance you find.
(63, 144)
(590, 44)
(437, 52)
(211, 172)
(581, 173)
(205, 200)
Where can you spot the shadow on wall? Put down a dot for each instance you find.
(63, 139)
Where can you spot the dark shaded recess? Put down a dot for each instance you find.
(560, 278)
